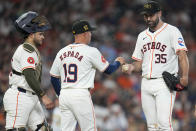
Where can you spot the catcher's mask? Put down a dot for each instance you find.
(31, 22)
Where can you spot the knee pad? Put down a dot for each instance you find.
(17, 129)
(44, 127)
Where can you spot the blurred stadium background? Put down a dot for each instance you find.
(116, 98)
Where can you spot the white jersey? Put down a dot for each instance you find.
(157, 50)
(76, 65)
(21, 60)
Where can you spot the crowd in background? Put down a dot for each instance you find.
(116, 98)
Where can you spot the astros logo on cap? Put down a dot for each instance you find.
(148, 6)
(85, 27)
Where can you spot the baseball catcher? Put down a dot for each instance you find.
(22, 99)
(173, 82)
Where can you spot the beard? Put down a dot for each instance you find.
(152, 24)
(37, 43)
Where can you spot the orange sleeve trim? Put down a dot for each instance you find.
(54, 75)
(28, 67)
(185, 49)
(136, 58)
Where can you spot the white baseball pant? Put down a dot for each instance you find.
(22, 109)
(76, 106)
(157, 104)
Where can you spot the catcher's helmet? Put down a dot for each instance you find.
(31, 22)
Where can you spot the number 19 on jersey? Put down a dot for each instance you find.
(71, 72)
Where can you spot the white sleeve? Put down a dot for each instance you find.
(28, 60)
(54, 71)
(137, 54)
(98, 61)
(177, 40)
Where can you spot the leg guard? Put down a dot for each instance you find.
(44, 127)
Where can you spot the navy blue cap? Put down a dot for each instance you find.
(81, 26)
(151, 7)
(31, 22)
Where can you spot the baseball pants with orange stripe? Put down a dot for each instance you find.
(157, 104)
(22, 109)
(76, 106)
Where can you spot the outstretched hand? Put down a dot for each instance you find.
(127, 68)
(47, 102)
(121, 60)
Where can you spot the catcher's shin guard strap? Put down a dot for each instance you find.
(45, 126)
(39, 126)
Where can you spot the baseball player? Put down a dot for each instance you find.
(21, 100)
(159, 48)
(72, 75)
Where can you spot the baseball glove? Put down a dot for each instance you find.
(173, 82)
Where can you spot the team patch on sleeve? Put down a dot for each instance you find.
(181, 42)
(103, 59)
(30, 60)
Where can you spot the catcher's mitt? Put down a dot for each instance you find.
(173, 82)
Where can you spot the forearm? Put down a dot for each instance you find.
(184, 67)
(33, 82)
(137, 66)
(184, 64)
(56, 84)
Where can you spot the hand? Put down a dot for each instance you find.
(127, 68)
(121, 60)
(47, 102)
(184, 81)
